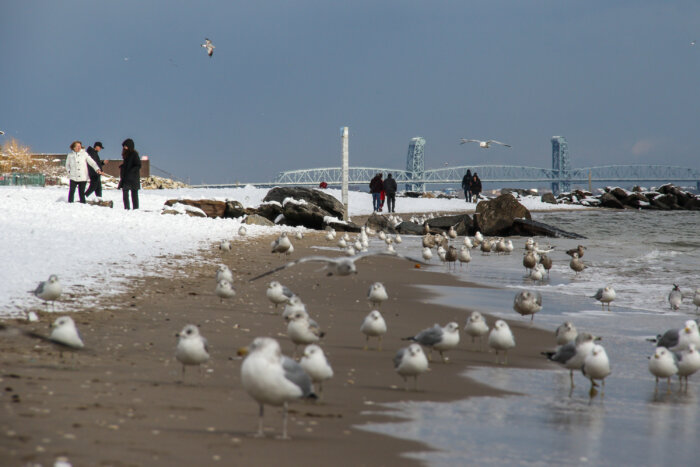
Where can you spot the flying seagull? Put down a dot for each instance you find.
(2, 132)
(209, 46)
(483, 144)
(340, 266)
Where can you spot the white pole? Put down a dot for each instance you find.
(344, 190)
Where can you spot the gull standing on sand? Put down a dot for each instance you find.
(439, 338)
(295, 305)
(225, 245)
(224, 289)
(565, 333)
(427, 254)
(501, 338)
(209, 46)
(680, 339)
(373, 326)
(281, 244)
(223, 273)
(527, 303)
(64, 335)
(605, 295)
(191, 347)
(529, 261)
(573, 355)
(316, 365)
(578, 250)
(278, 293)
(483, 144)
(242, 231)
(663, 364)
(341, 266)
(596, 366)
(576, 264)
(537, 273)
(546, 262)
(476, 327)
(303, 330)
(48, 290)
(675, 297)
(273, 379)
(376, 295)
(464, 255)
(410, 361)
(688, 364)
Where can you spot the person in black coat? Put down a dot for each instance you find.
(476, 186)
(467, 186)
(95, 178)
(375, 187)
(390, 192)
(130, 174)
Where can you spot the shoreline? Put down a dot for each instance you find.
(122, 403)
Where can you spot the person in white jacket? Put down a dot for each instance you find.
(76, 165)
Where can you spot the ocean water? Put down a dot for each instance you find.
(641, 254)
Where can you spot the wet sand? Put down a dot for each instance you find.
(122, 402)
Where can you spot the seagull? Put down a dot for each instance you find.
(501, 338)
(529, 261)
(294, 306)
(273, 379)
(692, 43)
(373, 326)
(578, 250)
(410, 361)
(537, 273)
(546, 262)
(439, 338)
(64, 335)
(340, 266)
(680, 339)
(452, 233)
(663, 364)
(596, 366)
(224, 289)
(281, 244)
(605, 295)
(483, 144)
(2, 132)
(48, 290)
(476, 327)
(696, 299)
(316, 365)
(675, 297)
(576, 264)
(427, 254)
(242, 231)
(191, 347)
(225, 245)
(527, 303)
(278, 293)
(573, 354)
(464, 256)
(566, 333)
(377, 294)
(223, 273)
(298, 235)
(688, 363)
(330, 234)
(209, 46)
(303, 330)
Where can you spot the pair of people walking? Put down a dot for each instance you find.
(471, 184)
(382, 190)
(82, 165)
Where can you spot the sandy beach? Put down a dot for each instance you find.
(122, 401)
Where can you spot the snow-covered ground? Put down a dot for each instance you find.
(93, 250)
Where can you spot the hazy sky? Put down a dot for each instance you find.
(618, 79)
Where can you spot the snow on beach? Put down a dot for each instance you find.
(94, 250)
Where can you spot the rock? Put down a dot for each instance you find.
(520, 191)
(693, 204)
(181, 208)
(495, 217)
(462, 223)
(210, 207)
(608, 200)
(620, 194)
(669, 200)
(318, 198)
(548, 198)
(380, 223)
(103, 203)
(234, 209)
(409, 228)
(306, 214)
(255, 219)
(637, 200)
(342, 226)
(530, 228)
(159, 183)
(413, 194)
(270, 210)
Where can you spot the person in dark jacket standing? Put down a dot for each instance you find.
(467, 186)
(375, 187)
(130, 174)
(390, 192)
(476, 186)
(95, 178)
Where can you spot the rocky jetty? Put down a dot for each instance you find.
(665, 198)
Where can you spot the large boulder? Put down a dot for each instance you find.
(548, 198)
(380, 223)
(210, 207)
(409, 228)
(637, 200)
(342, 226)
(306, 214)
(318, 198)
(234, 209)
(530, 228)
(462, 223)
(608, 200)
(270, 211)
(693, 204)
(496, 216)
(255, 219)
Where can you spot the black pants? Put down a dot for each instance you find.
(468, 195)
(134, 198)
(81, 191)
(95, 186)
(391, 201)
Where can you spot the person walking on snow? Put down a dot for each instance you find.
(375, 187)
(77, 163)
(390, 192)
(467, 186)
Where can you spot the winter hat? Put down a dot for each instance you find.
(129, 143)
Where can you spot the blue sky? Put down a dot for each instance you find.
(618, 79)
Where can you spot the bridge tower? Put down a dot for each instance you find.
(560, 165)
(415, 163)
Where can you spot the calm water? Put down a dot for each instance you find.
(641, 254)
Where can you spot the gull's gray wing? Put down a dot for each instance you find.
(287, 293)
(429, 336)
(498, 142)
(323, 259)
(599, 294)
(39, 288)
(296, 374)
(538, 298)
(564, 353)
(462, 141)
(669, 339)
(399, 356)
(63, 345)
(384, 253)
